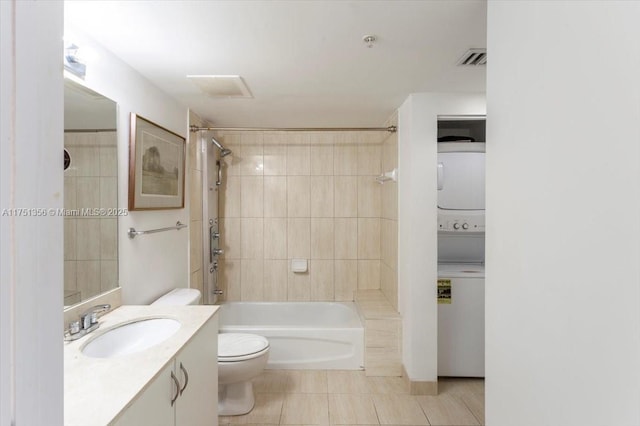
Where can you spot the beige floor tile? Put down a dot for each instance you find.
(340, 381)
(307, 381)
(446, 410)
(271, 381)
(267, 409)
(352, 409)
(475, 403)
(478, 386)
(307, 408)
(232, 420)
(460, 386)
(388, 385)
(399, 409)
(299, 397)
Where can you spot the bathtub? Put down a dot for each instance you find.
(302, 335)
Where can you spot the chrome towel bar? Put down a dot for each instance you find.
(133, 233)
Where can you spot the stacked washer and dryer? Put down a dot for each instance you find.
(461, 225)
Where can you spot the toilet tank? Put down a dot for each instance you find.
(180, 297)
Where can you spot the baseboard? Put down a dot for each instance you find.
(419, 387)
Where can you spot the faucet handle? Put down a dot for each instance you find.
(73, 332)
(74, 327)
(90, 316)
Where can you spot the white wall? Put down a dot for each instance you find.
(31, 247)
(417, 223)
(149, 265)
(563, 209)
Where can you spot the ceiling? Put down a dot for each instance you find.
(304, 61)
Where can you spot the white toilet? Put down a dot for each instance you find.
(241, 357)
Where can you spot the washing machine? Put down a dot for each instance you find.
(461, 320)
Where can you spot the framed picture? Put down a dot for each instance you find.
(156, 167)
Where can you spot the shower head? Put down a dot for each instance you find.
(223, 151)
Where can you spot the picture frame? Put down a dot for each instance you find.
(156, 166)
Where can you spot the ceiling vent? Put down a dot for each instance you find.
(473, 57)
(221, 86)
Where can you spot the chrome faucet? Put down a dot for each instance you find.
(87, 323)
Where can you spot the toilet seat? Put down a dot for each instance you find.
(233, 347)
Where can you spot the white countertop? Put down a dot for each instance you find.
(96, 390)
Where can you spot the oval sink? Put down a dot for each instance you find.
(131, 337)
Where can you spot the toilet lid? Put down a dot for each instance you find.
(232, 346)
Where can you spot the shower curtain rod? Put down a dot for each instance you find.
(390, 129)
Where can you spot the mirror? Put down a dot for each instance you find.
(90, 194)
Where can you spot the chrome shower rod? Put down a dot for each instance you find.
(390, 129)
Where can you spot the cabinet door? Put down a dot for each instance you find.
(153, 405)
(198, 403)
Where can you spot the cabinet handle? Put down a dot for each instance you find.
(177, 383)
(186, 378)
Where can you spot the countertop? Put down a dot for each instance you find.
(97, 390)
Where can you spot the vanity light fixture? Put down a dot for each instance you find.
(73, 61)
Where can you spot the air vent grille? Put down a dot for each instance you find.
(473, 57)
(221, 86)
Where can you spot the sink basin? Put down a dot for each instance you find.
(131, 337)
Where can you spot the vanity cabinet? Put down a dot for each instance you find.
(190, 380)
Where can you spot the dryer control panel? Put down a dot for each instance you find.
(460, 223)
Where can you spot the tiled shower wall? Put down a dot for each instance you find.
(90, 241)
(301, 195)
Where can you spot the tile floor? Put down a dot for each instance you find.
(319, 397)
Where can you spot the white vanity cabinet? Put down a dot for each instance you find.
(190, 381)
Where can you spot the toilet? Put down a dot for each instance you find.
(179, 297)
(241, 357)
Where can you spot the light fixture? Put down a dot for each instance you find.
(369, 40)
(72, 60)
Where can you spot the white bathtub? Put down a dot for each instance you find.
(302, 335)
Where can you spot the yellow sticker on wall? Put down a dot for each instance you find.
(444, 292)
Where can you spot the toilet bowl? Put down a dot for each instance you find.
(241, 357)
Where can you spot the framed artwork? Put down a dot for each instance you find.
(156, 167)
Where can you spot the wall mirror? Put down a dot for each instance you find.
(90, 193)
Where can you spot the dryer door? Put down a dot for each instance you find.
(461, 180)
